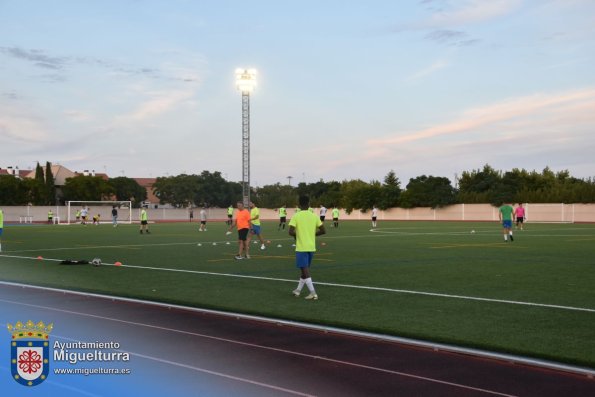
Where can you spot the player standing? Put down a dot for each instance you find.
(229, 215)
(335, 216)
(374, 215)
(203, 220)
(505, 214)
(114, 216)
(305, 226)
(50, 217)
(84, 213)
(322, 212)
(242, 223)
(255, 220)
(282, 217)
(519, 212)
(144, 221)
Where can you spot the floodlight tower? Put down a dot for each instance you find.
(246, 82)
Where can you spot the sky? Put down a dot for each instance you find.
(346, 89)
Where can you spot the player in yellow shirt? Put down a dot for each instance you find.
(255, 222)
(144, 221)
(282, 217)
(229, 215)
(305, 226)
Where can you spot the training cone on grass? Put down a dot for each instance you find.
(118, 264)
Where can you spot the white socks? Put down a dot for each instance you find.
(308, 282)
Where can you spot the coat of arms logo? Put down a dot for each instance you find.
(29, 347)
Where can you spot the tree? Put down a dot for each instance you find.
(87, 188)
(49, 184)
(12, 191)
(428, 191)
(128, 189)
(391, 191)
(274, 196)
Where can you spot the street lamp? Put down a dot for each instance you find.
(246, 82)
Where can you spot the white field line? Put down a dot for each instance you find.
(378, 232)
(256, 346)
(362, 287)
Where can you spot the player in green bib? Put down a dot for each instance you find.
(305, 226)
(229, 215)
(255, 224)
(505, 214)
(335, 217)
(144, 221)
(282, 217)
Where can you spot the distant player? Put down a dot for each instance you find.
(96, 219)
(374, 215)
(282, 217)
(519, 213)
(191, 214)
(229, 215)
(78, 216)
(84, 214)
(242, 223)
(255, 220)
(50, 217)
(505, 214)
(144, 221)
(322, 212)
(1, 227)
(335, 216)
(305, 226)
(203, 220)
(114, 216)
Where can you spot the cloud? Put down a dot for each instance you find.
(528, 108)
(471, 12)
(37, 57)
(20, 127)
(451, 37)
(160, 103)
(59, 64)
(440, 64)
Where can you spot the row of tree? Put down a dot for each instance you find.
(485, 185)
(41, 190)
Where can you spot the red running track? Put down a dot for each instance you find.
(243, 356)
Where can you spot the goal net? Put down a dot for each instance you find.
(100, 209)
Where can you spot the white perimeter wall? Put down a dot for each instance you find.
(459, 212)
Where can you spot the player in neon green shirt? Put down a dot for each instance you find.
(255, 221)
(505, 214)
(282, 217)
(229, 215)
(305, 226)
(144, 221)
(335, 217)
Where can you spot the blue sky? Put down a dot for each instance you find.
(346, 89)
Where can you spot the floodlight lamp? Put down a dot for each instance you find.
(246, 79)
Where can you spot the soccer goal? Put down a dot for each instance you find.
(100, 209)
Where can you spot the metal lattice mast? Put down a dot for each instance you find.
(246, 81)
(246, 148)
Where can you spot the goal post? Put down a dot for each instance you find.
(101, 208)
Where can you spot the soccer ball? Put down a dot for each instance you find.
(472, 231)
(96, 262)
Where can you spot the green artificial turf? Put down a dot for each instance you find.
(547, 264)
